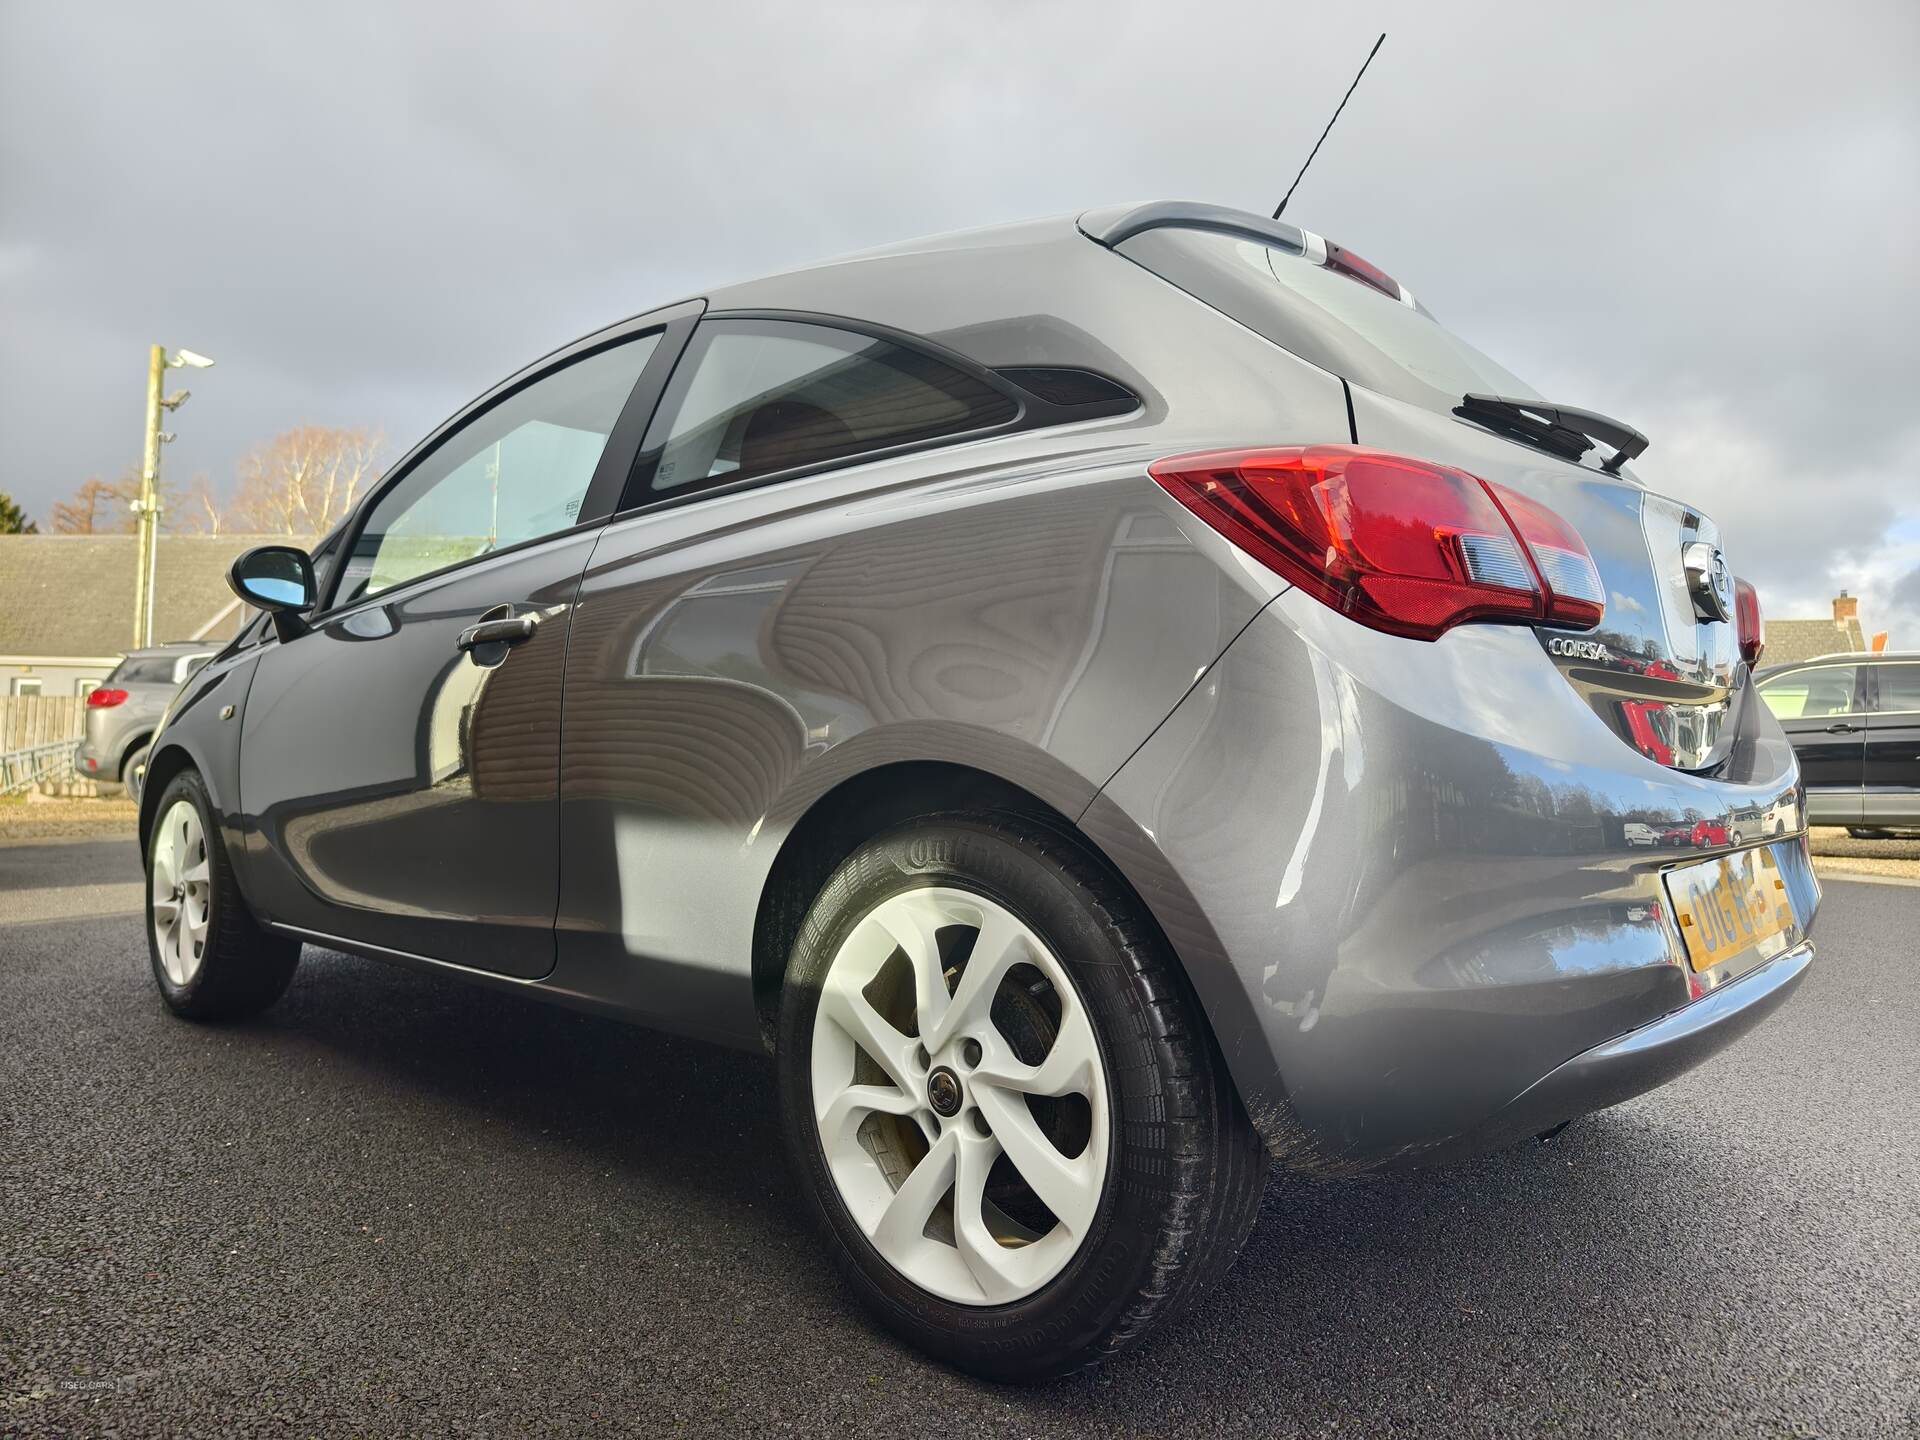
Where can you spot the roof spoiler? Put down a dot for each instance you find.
(1111, 227)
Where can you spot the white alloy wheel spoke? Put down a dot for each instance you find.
(1000, 944)
(914, 920)
(1069, 1188)
(856, 1102)
(890, 1049)
(986, 1259)
(1068, 1069)
(906, 1215)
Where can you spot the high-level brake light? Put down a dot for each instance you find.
(1752, 626)
(1343, 261)
(1404, 546)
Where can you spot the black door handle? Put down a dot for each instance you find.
(509, 631)
(1841, 727)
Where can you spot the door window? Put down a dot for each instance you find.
(756, 397)
(1899, 688)
(1808, 694)
(514, 473)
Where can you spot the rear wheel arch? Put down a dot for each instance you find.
(132, 748)
(850, 814)
(839, 822)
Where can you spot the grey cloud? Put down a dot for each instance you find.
(1698, 218)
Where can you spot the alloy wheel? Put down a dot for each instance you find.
(182, 891)
(960, 1096)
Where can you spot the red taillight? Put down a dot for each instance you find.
(1400, 545)
(1574, 595)
(1752, 627)
(105, 699)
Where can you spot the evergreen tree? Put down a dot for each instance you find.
(13, 520)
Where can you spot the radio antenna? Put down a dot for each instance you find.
(1336, 115)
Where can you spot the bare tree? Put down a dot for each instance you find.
(302, 481)
(198, 511)
(103, 507)
(98, 507)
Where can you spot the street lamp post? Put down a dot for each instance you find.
(147, 507)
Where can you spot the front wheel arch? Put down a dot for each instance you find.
(162, 766)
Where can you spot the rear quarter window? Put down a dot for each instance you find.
(753, 398)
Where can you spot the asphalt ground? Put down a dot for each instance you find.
(400, 1205)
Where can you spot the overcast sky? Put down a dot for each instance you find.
(1700, 218)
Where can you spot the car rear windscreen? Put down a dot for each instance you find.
(144, 670)
(1327, 318)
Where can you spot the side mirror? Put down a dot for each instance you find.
(279, 580)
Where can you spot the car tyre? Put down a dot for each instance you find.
(1862, 832)
(210, 958)
(1159, 1127)
(133, 771)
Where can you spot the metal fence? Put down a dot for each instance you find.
(37, 736)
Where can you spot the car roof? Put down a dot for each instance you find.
(1836, 657)
(174, 647)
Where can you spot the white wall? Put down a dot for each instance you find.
(57, 674)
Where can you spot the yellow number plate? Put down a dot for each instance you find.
(1731, 905)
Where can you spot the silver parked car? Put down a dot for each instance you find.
(1109, 701)
(124, 711)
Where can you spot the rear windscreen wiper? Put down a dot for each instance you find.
(1558, 429)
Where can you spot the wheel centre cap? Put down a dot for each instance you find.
(943, 1092)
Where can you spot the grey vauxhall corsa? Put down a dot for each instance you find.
(1108, 700)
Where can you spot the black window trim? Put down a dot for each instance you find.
(674, 323)
(1031, 412)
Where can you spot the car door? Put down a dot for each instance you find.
(1893, 744)
(1822, 710)
(399, 760)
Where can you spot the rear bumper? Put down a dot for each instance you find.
(1401, 879)
(1643, 1059)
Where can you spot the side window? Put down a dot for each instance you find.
(1808, 694)
(192, 663)
(516, 472)
(755, 397)
(1899, 688)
